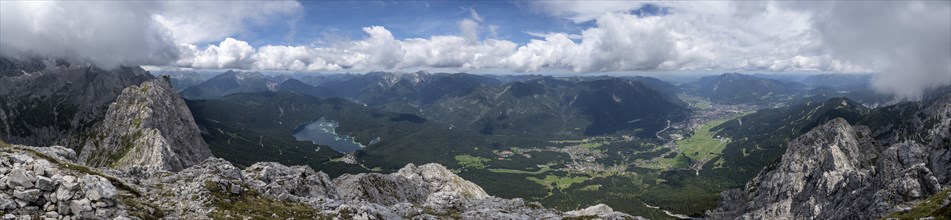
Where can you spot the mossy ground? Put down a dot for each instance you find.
(552, 181)
(249, 204)
(469, 161)
(930, 207)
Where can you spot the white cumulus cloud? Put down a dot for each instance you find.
(203, 21)
(907, 43)
(113, 33)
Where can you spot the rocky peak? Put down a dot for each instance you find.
(442, 181)
(430, 184)
(47, 103)
(839, 171)
(148, 126)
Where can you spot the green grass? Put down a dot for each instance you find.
(539, 171)
(930, 207)
(552, 181)
(669, 163)
(469, 161)
(251, 205)
(703, 143)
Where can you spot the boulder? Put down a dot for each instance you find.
(21, 177)
(79, 207)
(29, 195)
(44, 183)
(97, 187)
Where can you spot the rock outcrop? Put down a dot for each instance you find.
(839, 171)
(148, 126)
(415, 192)
(41, 182)
(35, 187)
(48, 102)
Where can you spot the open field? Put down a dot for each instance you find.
(703, 144)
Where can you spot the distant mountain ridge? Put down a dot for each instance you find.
(182, 79)
(386, 89)
(737, 88)
(232, 82)
(549, 106)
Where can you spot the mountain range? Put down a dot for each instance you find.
(83, 142)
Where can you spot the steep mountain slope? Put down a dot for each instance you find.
(394, 91)
(294, 85)
(230, 82)
(253, 127)
(665, 88)
(736, 88)
(16, 67)
(614, 105)
(839, 81)
(46, 103)
(753, 141)
(550, 106)
(148, 126)
(837, 171)
(321, 79)
(759, 138)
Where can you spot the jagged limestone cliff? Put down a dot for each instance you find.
(48, 102)
(840, 171)
(147, 126)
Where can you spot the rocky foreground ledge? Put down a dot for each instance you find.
(46, 183)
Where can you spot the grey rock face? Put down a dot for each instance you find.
(148, 126)
(97, 187)
(430, 185)
(294, 183)
(44, 183)
(80, 207)
(45, 103)
(58, 152)
(29, 195)
(380, 188)
(441, 180)
(21, 177)
(837, 171)
(55, 192)
(413, 192)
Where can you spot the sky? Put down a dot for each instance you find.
(906, 44)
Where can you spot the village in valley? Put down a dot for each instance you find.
(685, 145)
